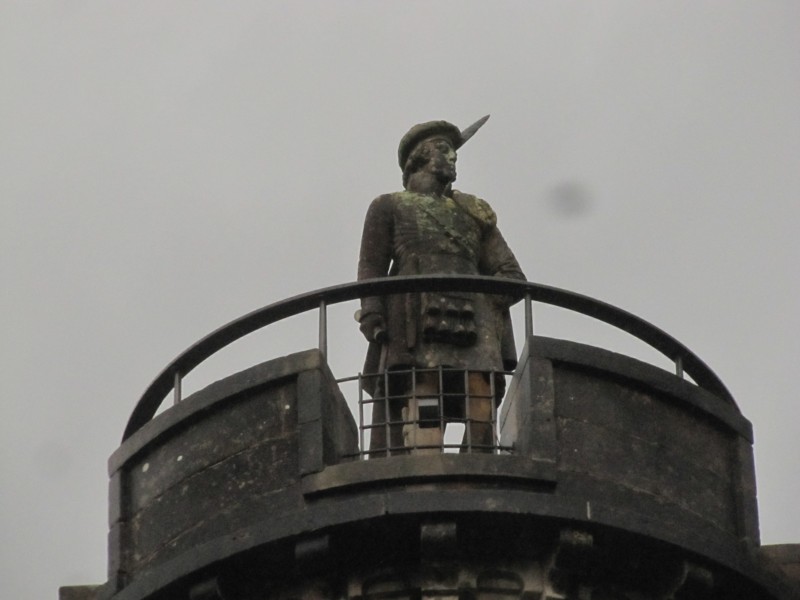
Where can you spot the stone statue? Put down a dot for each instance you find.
(430, 228)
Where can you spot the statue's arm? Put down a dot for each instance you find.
(498, 260)
(374, 260)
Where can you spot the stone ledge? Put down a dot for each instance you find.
(403, 470)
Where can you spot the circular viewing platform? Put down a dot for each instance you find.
(605, 477)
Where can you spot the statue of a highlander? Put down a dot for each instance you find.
(429, 229)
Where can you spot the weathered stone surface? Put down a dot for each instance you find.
(571, 564)
(745, 494)
(279, 512)
(190, 409)
(119, 552)
(437, 468)
(267, 415)
(223, 498)
(78, 592)
(233, 459)
(630, 436)
(529, 407)
(786, 557)
(647, 468)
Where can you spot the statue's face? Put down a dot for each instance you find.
(442, 163)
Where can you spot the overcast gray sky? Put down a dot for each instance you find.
(167, 166)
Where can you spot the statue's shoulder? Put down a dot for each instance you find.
(393, 198)
(478, 208)
(395, 202)
(382, 205)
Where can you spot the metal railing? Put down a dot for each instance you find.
(409, 421)
(169, 380)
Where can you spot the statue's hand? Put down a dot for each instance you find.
(373, 326)
(502, 302)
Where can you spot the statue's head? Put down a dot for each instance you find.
(426, 142)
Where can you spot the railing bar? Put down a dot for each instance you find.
(361, 429)
(467, 420)
(176, 388)
(323, 327)
(412, 418)
(386, 413)
(440, 401)
(679, 366)
(160, 387)
(495, 440)
(528, 316)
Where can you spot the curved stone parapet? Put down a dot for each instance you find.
(226, 458)
(645, 449)
(622, 479)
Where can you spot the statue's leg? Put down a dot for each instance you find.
(479, 429)
(387, 418)
(396, 438)
(377, 433)
(422, 430)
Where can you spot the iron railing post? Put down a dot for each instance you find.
(361, 442)
(176, 388)
(492, 392)
(323, 328)
(528, 316)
